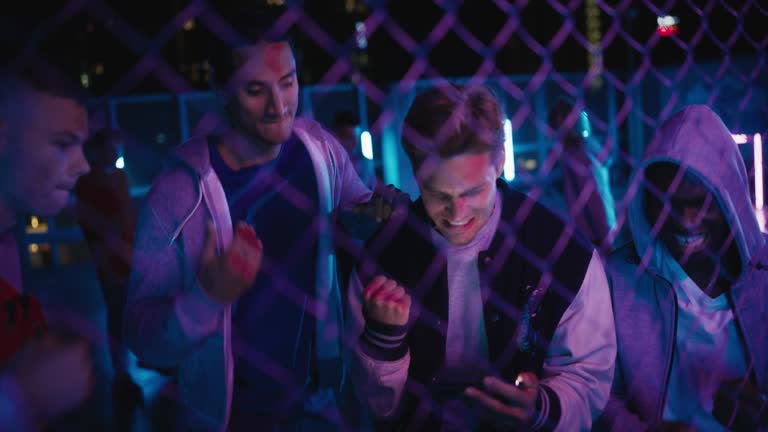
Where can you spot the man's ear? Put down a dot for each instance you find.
(500, 163)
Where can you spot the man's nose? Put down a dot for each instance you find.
(457, 207)
(690, 217)
(79, 165)
(275, 103)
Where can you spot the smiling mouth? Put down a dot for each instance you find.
(459, 224)
(691, 241)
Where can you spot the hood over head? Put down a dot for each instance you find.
(696, 139)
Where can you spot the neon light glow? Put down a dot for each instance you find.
(361, 37)
(120, 163)
(366, 145)
(739, 138)
(667, 21)
(667, 31)
(667, 25)
(584, 124)
(757, 144)
(509, 152)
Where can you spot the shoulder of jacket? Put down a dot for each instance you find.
(174, 195)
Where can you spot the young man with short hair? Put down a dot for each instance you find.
(43, 123)
(481, 309)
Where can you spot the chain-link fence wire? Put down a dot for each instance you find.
(608, 60)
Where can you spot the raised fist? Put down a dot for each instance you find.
(227, 276)
(386, 302)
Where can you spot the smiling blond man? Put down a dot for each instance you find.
(479, 309)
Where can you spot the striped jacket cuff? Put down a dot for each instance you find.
(383, 341)
(548, 409)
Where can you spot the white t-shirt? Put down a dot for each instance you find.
(708, 351)
(466, 341)
(466, 344)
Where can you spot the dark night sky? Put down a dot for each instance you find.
(85, 39)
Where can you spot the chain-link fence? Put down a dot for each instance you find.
(610, 72)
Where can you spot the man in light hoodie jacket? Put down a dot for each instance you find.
(253, 347)
(689, 292)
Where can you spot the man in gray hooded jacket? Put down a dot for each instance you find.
(252, 347)
(689, 293)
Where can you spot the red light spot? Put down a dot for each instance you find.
(665, 31)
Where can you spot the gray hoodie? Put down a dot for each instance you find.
(642, 274)
(171, 322)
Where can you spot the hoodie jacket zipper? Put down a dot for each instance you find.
(671, 356)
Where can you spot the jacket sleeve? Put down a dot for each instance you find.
(378, 359)
(351, 190)
(578, 371)
(167, 313)
(616, 416)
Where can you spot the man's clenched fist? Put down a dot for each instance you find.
(386, 302)
(227, 276)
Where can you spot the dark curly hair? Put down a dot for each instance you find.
(250, 26)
